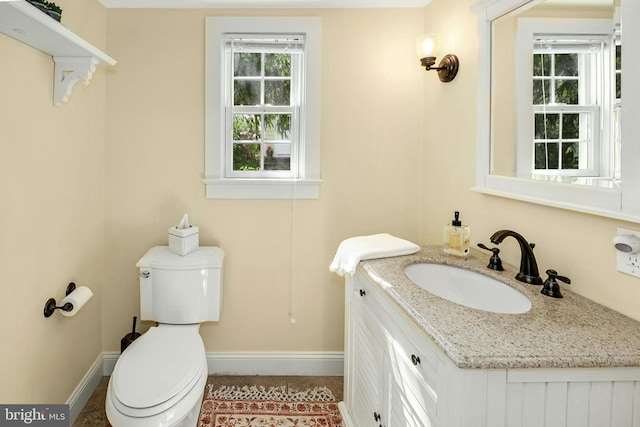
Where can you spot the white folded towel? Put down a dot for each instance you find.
(355, 249)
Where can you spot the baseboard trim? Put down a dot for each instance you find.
(268, 363)
(85, 388)
(110, 358)
(289, 363)
(282, 364)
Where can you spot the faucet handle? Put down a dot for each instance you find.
(495, 263)
(551, 287)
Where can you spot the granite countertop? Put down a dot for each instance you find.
(569, 332)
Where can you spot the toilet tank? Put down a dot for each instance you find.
(178, 289)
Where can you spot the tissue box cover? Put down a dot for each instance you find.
(184, 241)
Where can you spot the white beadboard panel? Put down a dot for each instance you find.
(556, 405)
(600, 403)
(578, 394)
(472, 389)
(514, 412)
(562, 404)
(495, 397)
(533, 404)
(622, 403)
(636, 405)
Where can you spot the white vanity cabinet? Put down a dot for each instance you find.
(396, 376)
(391, 380)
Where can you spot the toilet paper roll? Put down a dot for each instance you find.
(77, 298)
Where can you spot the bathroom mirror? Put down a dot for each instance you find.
(551, 126)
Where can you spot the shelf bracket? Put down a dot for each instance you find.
(68, 71)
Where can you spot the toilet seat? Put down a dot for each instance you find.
(158, 370)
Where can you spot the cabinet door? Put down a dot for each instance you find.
(405, 408)
(365, 395)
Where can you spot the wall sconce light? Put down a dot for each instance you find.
(427, 46)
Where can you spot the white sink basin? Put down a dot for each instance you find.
(468, 288)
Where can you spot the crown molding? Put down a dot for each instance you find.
(262, 4)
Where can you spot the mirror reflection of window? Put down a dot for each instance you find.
(567, 105)
(617, 105)
(567, 117)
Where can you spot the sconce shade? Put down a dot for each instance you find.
(427, 45)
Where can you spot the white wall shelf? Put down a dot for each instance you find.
(74, 59)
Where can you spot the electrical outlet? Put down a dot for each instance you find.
(629, 263)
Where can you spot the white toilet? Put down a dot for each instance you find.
(159, 380)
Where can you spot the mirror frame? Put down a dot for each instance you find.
(621, 203)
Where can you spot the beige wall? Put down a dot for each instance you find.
(576, 245)
(83, 201)
(278, 252)
(51, 217)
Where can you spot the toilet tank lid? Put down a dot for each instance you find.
(162, 257)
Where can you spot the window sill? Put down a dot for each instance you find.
(605, 202)
(262, 188)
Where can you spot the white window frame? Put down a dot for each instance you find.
(219, 180)
(619, 202)
(589, 158)
(602, 148)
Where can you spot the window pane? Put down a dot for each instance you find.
(540, 155)
(277, 157)
(566, 64)
(571, 126)
(567, 92)
(618, 69)
(541, 64)
(618, 86)
(570, 157)
(277, 92)
(277, 127)
(546, 155)
(246, 64)
(246, 127)
(246, 157)
(546, 126)
(277, 65)
(541, 92)
(246, 92)
(552, 155)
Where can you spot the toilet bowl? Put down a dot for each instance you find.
(159, 380)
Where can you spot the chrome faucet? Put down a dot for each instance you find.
(528, 267)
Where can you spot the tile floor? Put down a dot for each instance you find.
(93, 414)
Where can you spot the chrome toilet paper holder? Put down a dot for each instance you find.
(50, 305)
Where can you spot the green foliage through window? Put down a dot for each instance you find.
(261, 141)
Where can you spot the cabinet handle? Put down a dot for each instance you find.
(376, 416)
(415, 360)
(362, 292)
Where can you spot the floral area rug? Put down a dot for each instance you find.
(273, 407)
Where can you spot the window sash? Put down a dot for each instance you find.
(588, 140)
(252, 43)
(262, 141)
(591, 50)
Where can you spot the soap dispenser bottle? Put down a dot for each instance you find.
(456, 237)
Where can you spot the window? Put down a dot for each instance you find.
(617, 105)
(566, 106)
(566, 114)
(262, 107)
